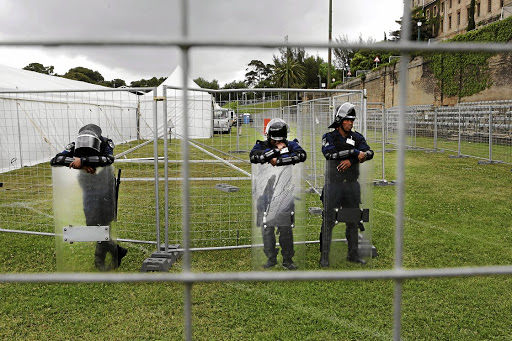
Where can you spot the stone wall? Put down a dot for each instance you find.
(423, 89)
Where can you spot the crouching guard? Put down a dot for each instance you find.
(276, 176)
(85, 203)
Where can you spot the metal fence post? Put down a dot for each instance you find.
(166, 171)
(383, 143)
(490, 134)
(155, 153)
(490, 160)
(460, 135)
(19, 131)
(459, 148)
(313, 143)
(435, 129)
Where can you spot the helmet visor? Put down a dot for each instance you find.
(89, 141)
(277, 138)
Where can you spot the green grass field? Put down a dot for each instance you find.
(458, 214)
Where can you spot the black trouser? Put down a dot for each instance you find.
(98, 196)
(285, 241)
(335, 195)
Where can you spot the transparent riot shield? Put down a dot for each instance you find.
(278, 226)
(347, 209)
(84, 208)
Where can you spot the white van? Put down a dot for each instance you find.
(222, 121)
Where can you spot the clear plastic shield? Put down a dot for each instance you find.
(346, 225)
(278, 226)
(84, 208)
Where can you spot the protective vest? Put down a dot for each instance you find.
(332, 173)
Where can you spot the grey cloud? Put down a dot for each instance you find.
(300, 20)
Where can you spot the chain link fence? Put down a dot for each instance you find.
(164, 165)
(481, 130)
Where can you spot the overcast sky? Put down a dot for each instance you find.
(300, 20)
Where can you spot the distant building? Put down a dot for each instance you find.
(447, 18)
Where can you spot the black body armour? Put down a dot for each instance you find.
(332, 174)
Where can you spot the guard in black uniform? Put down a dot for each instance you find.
(344, 150)
(92, 150)
(277, 151)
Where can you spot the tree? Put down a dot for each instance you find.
(149, 83)
(364, 59)
(289, 73)
(203, 83)
(289, 67)
(471, 19)
(322, 70)
(233, 96)
(85, 75)
(257, 72)
(312, 71)
(295, 53)
(40, 68)
(343, 56)
(214, 85)
(116, 83)
(425, 29)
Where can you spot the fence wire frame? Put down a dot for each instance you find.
(398, 274)
(453, 129)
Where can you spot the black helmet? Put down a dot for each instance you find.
(277, 129)
(88, 139)
(346, 111)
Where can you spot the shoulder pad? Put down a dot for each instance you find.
(70, 146)
(111, 143)
(264, 144)
(293, 144)
(329, 134)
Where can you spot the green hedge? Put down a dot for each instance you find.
(465, 74)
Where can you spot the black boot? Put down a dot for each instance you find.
(352, 234)
(356, 259)
(272, 261)
(289, 264)
(100, 256)
(324, 251)
(324, 262)
(286, 242)
(121, 252)
(325, 245)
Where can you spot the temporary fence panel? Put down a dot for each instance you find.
(156, 170)
(35, 126)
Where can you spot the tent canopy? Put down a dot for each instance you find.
(200, 109)
(18, 79)
(45, 112)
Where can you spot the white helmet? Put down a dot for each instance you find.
(88, 139)
(346, 111)
(277, 129)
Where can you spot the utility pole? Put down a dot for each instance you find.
(329, 53)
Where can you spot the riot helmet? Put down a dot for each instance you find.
(346, 111)
(88, 141)
(277, 129)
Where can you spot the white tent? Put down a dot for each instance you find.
(41, 114)
(200, 109)
(17, 79)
